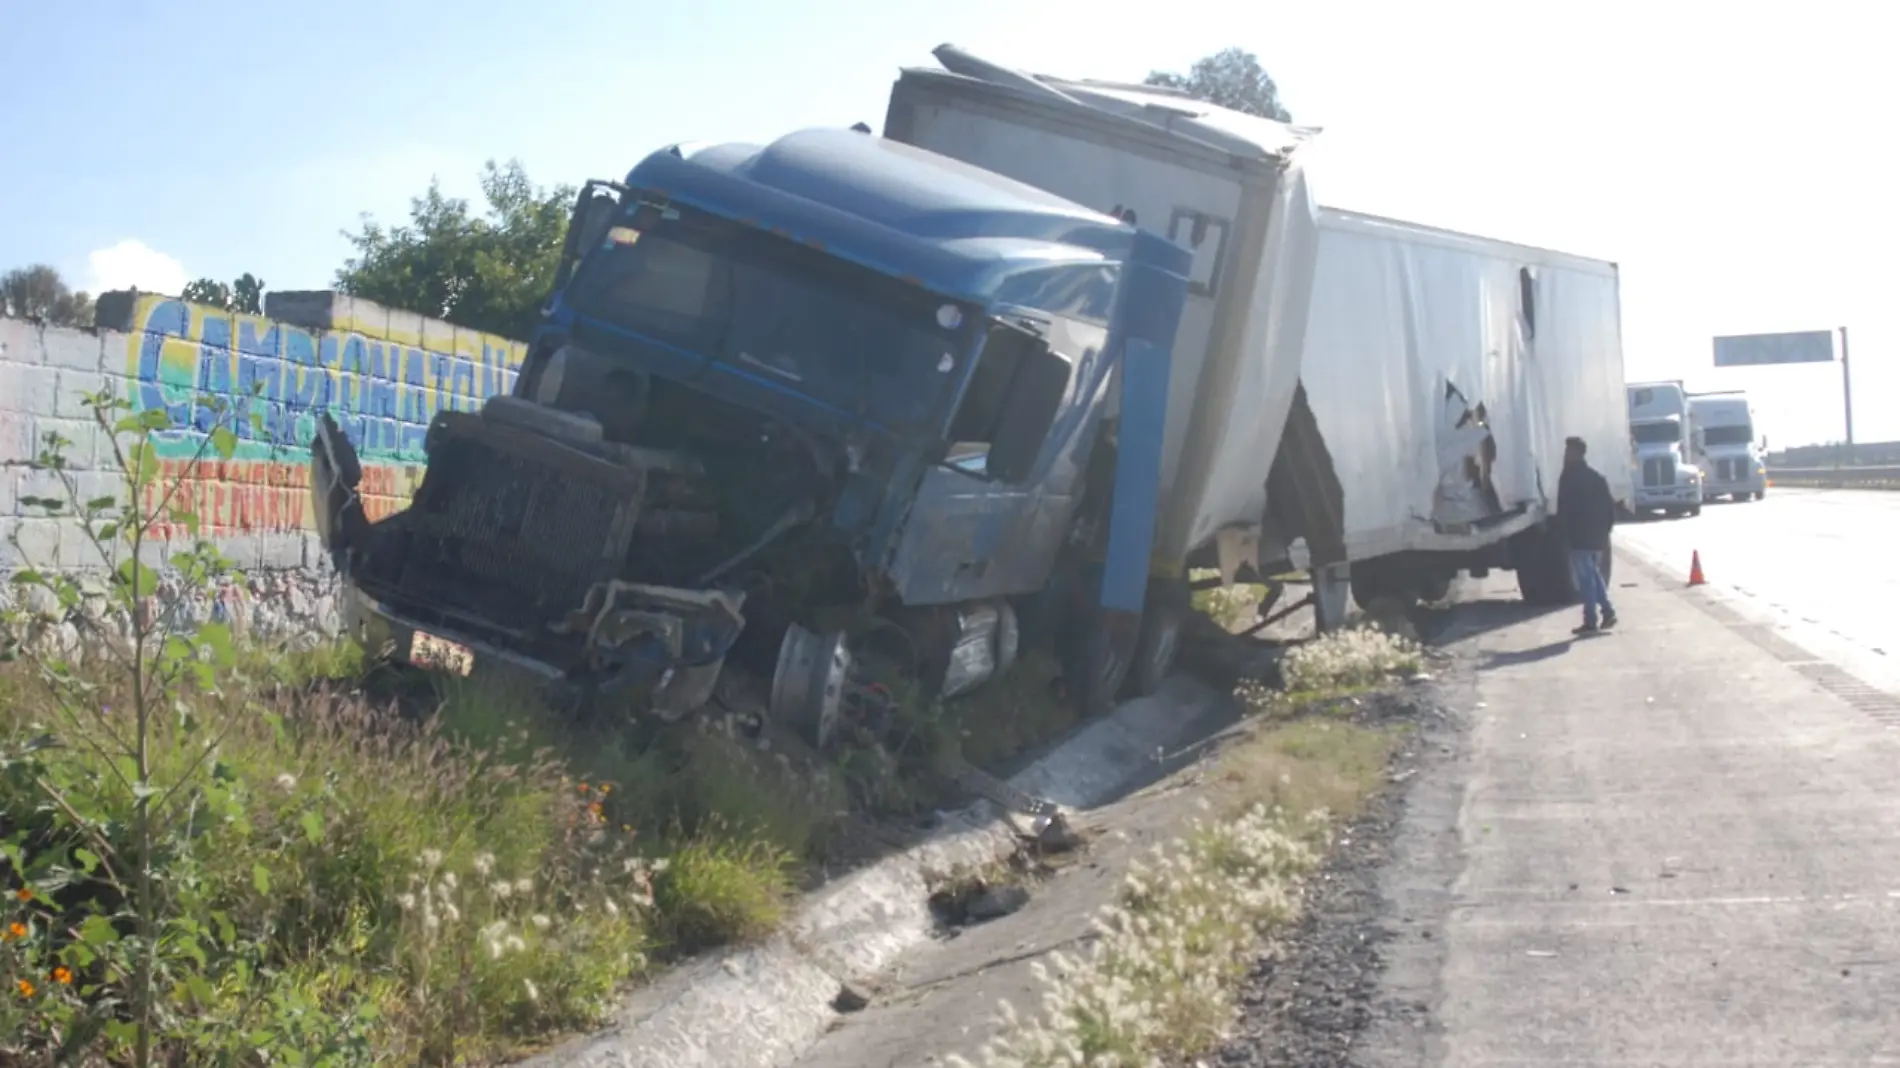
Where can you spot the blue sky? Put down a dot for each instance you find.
(1735, 165)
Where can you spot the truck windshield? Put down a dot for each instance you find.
(1656, 433)
(778, 311)
(1728, 435)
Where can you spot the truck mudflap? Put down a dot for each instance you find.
(664, 644)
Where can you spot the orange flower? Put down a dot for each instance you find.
(16, 929)
(583, 787)
(63, 974)
(23, 894)
(26, 988)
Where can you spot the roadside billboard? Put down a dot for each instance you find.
(1754, 350)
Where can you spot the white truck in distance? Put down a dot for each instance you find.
(1730, 457)
(1380, 404)
(1663, 431)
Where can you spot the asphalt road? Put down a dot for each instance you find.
(1666, 845)
(1820, 566)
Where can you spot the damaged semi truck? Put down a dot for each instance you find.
(795, 405)
(998, 378)
(1380, 404)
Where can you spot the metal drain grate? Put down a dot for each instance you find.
(1881, 706)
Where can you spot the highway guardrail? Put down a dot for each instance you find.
(1866, 477)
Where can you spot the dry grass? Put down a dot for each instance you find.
(1234, 608)
(1158, 985)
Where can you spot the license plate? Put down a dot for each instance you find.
(429, 651)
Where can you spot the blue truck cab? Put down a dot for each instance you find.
(780, 399)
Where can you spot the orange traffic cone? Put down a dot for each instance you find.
(1695, 568)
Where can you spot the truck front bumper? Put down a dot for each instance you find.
(385, 631)
(1723, 489)
(1664, 497)
(669, 688)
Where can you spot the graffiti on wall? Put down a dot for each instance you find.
(276, 379)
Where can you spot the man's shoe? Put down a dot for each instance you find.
(1587, 628)
(1609, 620)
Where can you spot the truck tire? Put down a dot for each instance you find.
(1163, 614)
(1543, 570)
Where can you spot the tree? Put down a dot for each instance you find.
(488, 272)
(38, 292)
(245, 296)
(1232, 78)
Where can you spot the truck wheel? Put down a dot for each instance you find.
(1695, 511)
(1543, 570)
(1164, 613)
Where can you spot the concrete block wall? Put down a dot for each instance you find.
(382, 374)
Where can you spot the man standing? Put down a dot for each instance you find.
(1585, 514)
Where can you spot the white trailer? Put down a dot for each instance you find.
(1359, 469)
(1445, 372)
(1730, 452)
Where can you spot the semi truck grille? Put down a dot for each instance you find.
(1659, 471)
(512, 528)
(1730, 470)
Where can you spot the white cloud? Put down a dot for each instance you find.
(131, 264)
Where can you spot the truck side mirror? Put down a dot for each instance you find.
(594, 209)
(1038, 381)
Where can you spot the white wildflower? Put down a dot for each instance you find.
(431, 859)
(286, 781)
(514, 943)
(501, 890)
(484, 863)
(541, 923)
(407, 901)
(533, 993)
(524, 886)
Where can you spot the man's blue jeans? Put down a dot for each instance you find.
(1586, 565)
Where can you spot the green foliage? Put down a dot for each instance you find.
(718, 888)
(38, 292)
(245, 295)
(486, 272)
(211, 858)
(1232, 78)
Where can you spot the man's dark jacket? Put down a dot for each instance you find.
(1585, 509)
